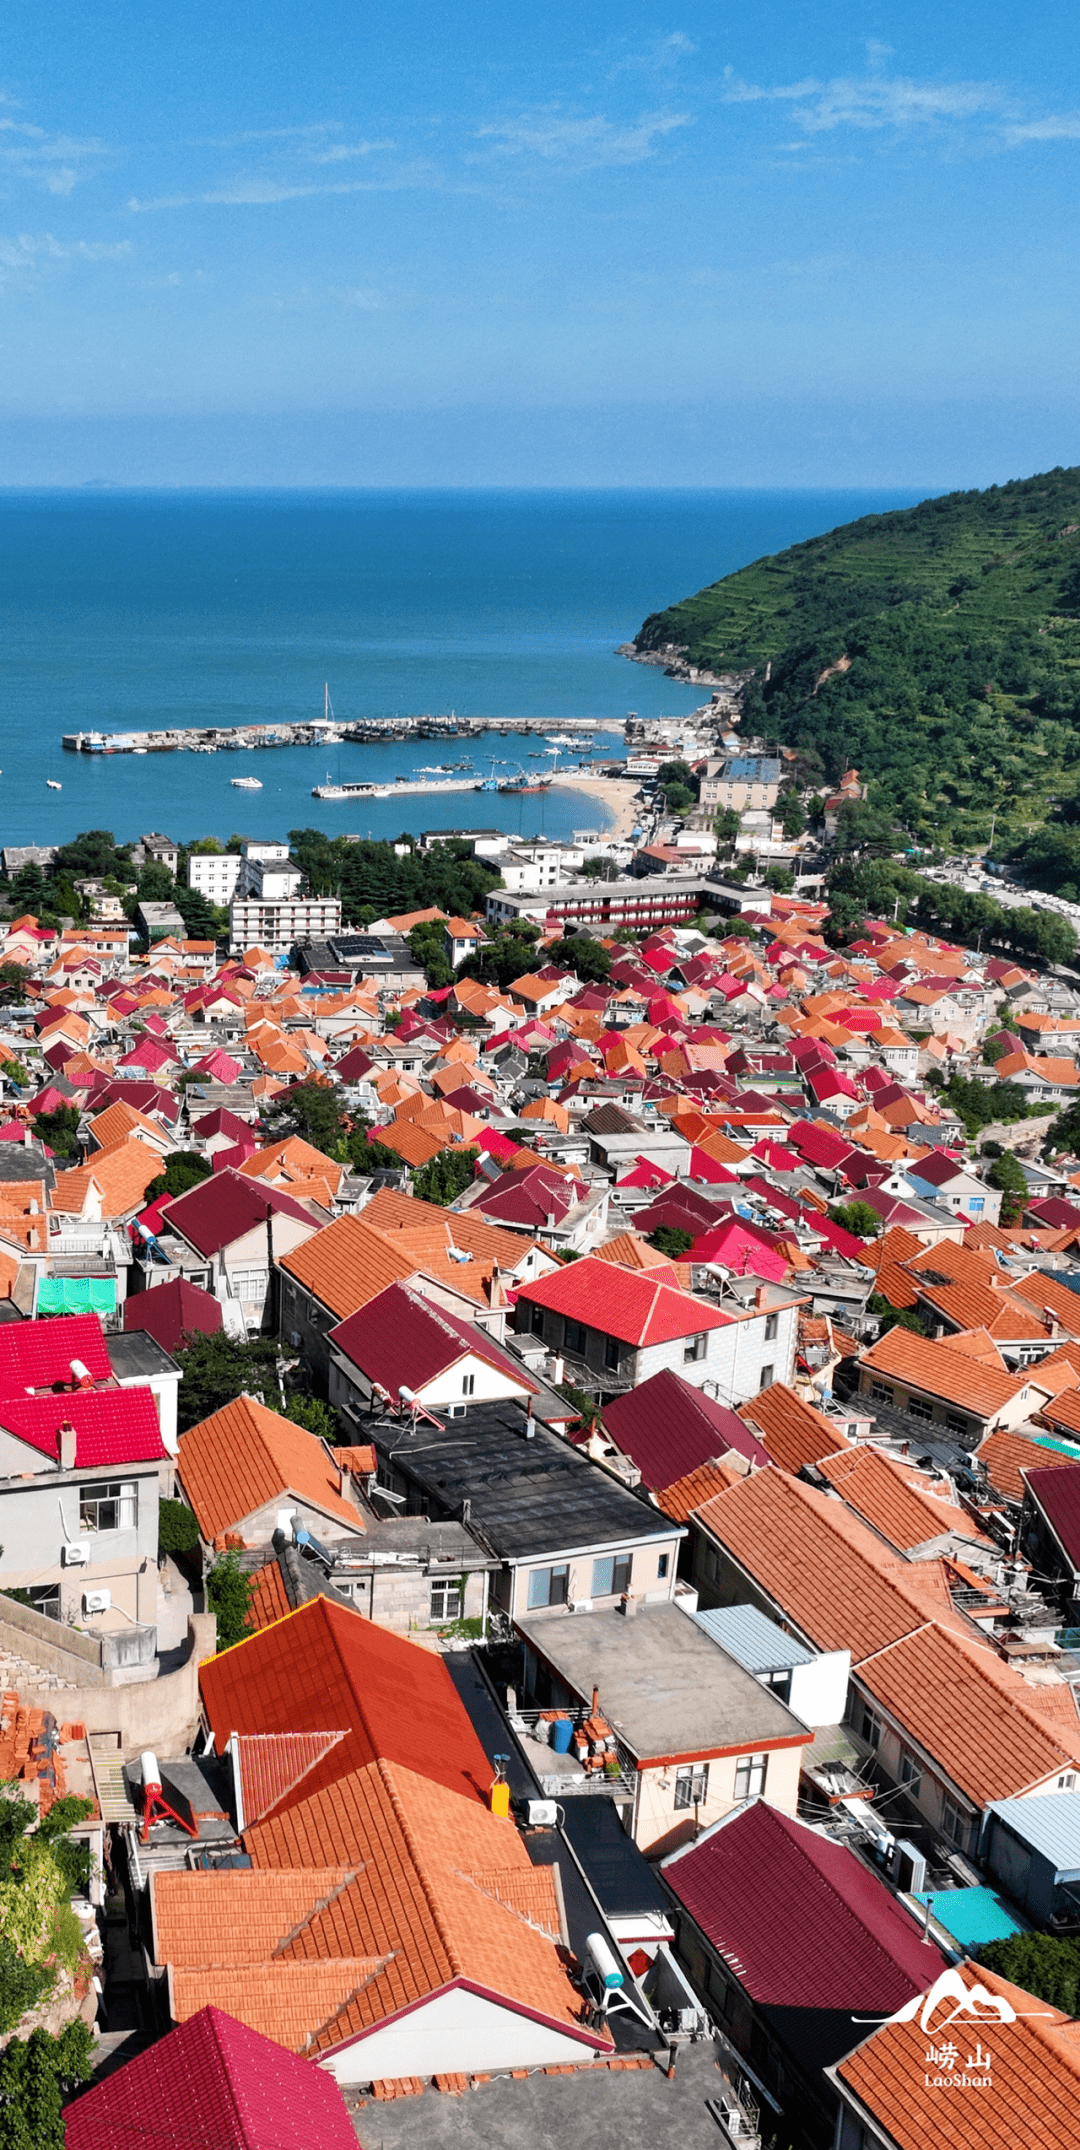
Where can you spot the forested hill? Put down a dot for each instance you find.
(956, 629)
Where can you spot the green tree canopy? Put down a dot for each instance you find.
(446, 1176)
(228, 1594)
(857, 1218)
(215, 1370)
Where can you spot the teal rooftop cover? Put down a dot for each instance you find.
(973, 1916)
(76, 1295)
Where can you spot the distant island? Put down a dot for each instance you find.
(936, 648)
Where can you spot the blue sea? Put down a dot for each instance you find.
(135, 610)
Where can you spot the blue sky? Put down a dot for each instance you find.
(755, 242)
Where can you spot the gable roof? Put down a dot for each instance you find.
(243, 1456)
(212, 2084)
(991, 1732)
(668, 1428)
(326, 1668)
(801, 1921)
(398, 1337)
(1058, 1495)
(172, 1311)
(940, 1371)
(38, 1354)
(112, 1426)
(825, 1570)
(350, 1262)
(222, 1209)
(895, 1499)
(623, 1303)
(791, 1431)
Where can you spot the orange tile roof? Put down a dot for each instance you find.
(680, 1499)
(349, 1263)
(290, 2003)
(292, 1159)
(792, 1432)
(1005, 1454)
(119, 1121)
(1033, 2095)
(120, 1175)
(232, 1918)
(1043, 1291)
(1063, 1410)
(939, 1371)
(977, 1306)
(414, 1145)
(392, 1211)
(269, 1600)
(244, 1456)
(896, 1500)
(822, 1566)
(976, 1717)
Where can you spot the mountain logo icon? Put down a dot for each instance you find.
(972, 2002)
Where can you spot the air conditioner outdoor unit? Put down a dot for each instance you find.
(77, 1554)
(96, 1601)
(541, 1813)
(908, 1867)
(579, 1605)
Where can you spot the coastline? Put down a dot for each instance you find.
(620, 794)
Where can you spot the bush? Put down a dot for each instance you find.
(1040, 1964)
(444, 1177)
(178, 1530)
(22, 1986)
(857, 1218)
(670, 1239)
(228, 1594)
(37, 2078)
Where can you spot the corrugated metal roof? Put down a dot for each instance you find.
(751, 1637)
(1050, 1824)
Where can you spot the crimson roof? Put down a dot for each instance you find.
(623, 1303)
(172, 1311)
(222, 1209)
(400, 1337)
(112, 1426)
(669, 1429)
(220, 1122)
(38, 1354)
(212, 2084)
(1059, 1503)
(801, 1921)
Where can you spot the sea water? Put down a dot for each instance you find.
(139, 610)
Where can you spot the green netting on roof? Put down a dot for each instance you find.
(76, 1295)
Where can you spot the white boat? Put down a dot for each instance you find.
(245, 783)
(52, 784)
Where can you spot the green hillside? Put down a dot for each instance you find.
(957, 624)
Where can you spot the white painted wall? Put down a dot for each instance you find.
(819, 1690)
(456, 2032)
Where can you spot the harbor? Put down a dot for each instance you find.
(326, 732)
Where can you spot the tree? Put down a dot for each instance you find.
(367, 1155)
(601, 869)
(37, 2078)
(178, 1528)
(1065, 1132)
(1007, 1174)
(316, 1114)
(184, 1169)
(857, 1218)
(779, 878)
(980, 1103)
(726, 827)
(59, 1130)
(894, 1317)
(582, 955)
(316, 1416)
(1041, 1964)
(427, 943)
(155, 883)
(792, 814)
(14, 978)
(446, 1176)
(93, 856)
(670, 1239)
(994, 1049)
(215, 1370)
(228, 1594)
(201, 920)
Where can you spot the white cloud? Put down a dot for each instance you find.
(52, 161)
(873, 102)
(1059, 127)
(27, 252)
(558, 142)
(341, 152)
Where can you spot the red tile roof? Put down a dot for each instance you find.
(801, 1920)
(1006, 1454)
(1058, 1495)
(112, 1426)
(400, 1337)
(212, 2084)
(669, 1428)
(623, 1304)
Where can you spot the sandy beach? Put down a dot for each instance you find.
(619, 794)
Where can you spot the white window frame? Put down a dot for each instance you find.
(108, 1492)
(751, 1771)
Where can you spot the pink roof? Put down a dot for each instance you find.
(212, 2084)
(669, 1428)
(112, 1426)
(38, 1354)
(623, 1303)
(219, 1066)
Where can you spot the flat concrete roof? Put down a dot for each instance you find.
(665, 1687)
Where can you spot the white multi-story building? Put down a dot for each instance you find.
(214, 874)
(276, 926)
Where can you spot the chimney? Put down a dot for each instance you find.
(595, 1709)
(67, 1446)
(28, 1139)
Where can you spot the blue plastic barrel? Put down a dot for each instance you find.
(561, 1733)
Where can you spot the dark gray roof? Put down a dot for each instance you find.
(135, 1355)
(26, 1161)
(611, 1120)
(527, 1496)
(621, 1879)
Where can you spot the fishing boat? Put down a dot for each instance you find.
(52, 784)
(245, 783)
